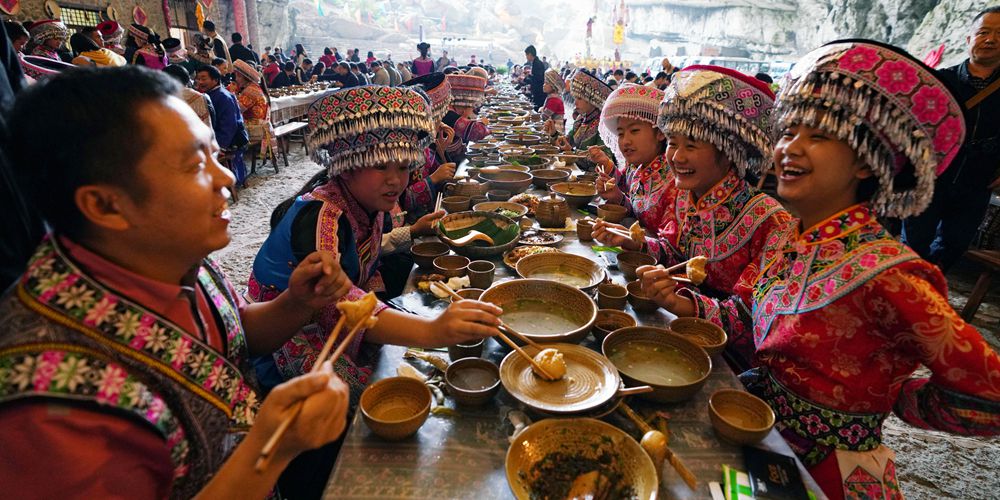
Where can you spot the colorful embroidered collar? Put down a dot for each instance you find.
(837, 226)
(719, 193)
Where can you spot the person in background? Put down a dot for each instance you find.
(238, 51)
(943, 232)
(661, 80)
(90, 53)
(48, 37)
(554, 110)
(342, 74)
(220, 64)
(667, 67)
(132, 228)
(256, 107)
(280, 55)
(537, 76)
(218, 44)
(424, 65)
(317, 72)
(589, 93)
(299, 54)
(370, 59)
(631, 77)
(94, 34)
(404, 71)
(356, 55)
(468, 93)
(112, 33)
(304, 71)
(200, 103)
(360, 75)
(287, 77)
(271, 70)
(381, 76)
(395, 79)
(230, 131)
(328, 59)
(143, 48)
(18, 36)
(442, 62)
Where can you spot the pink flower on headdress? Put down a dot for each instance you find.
(948, 134)
(930, 104)
(897, 77)
(859, 59)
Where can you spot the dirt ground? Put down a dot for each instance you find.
(931, 465)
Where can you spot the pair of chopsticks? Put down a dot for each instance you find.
(437, 203)
(272, 443)
(505, 328)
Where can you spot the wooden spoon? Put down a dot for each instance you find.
(469, 238)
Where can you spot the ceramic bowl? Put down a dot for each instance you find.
(498, 195)
(568, 302)
(451, 266)
(612, 296)
(459, 223)
(425, 253)
(577, 194)
(513, 149)
(609, 320)
(468, 293)
(472, 381)
(531, 161)
(508, 180)
(570, 269)
(570, 159)
(614, 214)
(545, 149)
(470, 350)
(455, 203)
(394, 408)
(640, 302)
(628, 262)
(686, 379)
(545, 177)
(589, 178)
(524, 139)
(711, 337)
(740, 417)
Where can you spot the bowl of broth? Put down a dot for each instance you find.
(544, 311)
(472, 381)
(568, 269)
(674, 366)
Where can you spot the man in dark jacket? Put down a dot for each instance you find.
(238, 51)
(287, 77)
(962, 194)
(537, 76)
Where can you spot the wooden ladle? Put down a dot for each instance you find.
(469, 238)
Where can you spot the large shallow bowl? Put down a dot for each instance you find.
(545, 149)
(460, 223)
(531, 161)
(506, 166)
(508, 180)
(568, 269)
(545, 177)
(524, 139)
(493, 206)
(577, 194)
(695, 360)
(395, 407)
(584, 437)
(567, 303)
(590, 382)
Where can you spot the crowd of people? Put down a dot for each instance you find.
(127, 355)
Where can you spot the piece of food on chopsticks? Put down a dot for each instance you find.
(551, 360)
(356, 311)
(637, 232)
(696, 269)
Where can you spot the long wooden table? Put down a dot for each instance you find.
(462, 455)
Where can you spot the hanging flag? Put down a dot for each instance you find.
(319, 8)
(10, 7)
(199, 13)
(619, 34)
(933, 58)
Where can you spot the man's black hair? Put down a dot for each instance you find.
(764, 77)
(15, 30)
(661, 74)
(530, 49)
(89, 111)
(218, 61)
(208, 26)
(236, 37)
(289, 66)
(988, 10)
(180, 73)
(212, 71)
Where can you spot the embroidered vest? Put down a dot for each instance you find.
(68, 337)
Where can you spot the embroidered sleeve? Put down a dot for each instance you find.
(962, 396)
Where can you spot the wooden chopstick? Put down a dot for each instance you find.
(682, 279)
(503, 337)
(679, 265)
(267, 451)
(437, 203)
(619, 232)
(674, 460)
(520, 336)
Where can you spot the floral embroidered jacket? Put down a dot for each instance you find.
(841, 315)
(418, 199)
(70, 338)
(729, 225)
(649, 192)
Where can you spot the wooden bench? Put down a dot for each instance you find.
(991, 260)
(284, 132)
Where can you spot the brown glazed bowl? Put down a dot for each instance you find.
(706, 334)
(640, 302)
(633, 337)
(628, 262)
(614, 214)
(472, 381)
(567, 301)
(546, 176)
(425, 253)
(740, 417)
(577, 194)
(609, 320)
(394, 408)
(451, 266)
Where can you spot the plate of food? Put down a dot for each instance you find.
(578, 458)
(528, 200)
(541, 238)
(510, 258)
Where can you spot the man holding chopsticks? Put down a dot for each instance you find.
(124, 350)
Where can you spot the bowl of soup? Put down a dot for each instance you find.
(544, 310)
(568, 269)
(672, 365)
